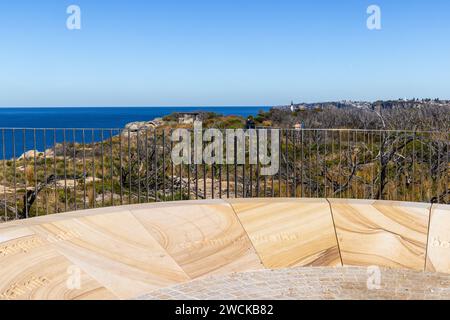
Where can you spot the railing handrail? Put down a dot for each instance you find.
(257, 128)
(345, 163)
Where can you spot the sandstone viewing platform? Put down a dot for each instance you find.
(297, 248)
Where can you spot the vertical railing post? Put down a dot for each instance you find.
(74, 169)
(121, 132)
(102, 160)
(155, 148)
(83, 138)
(25, 165)
(235, 168)
(36, 206)
(138, 165)
(111, 165)
(129, 167)
(15, 172)
(55, 172)
(257, 163)
(4, 174)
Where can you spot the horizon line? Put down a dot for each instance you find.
(132, 106)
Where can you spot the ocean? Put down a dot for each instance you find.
(24, 120)
(100, 117)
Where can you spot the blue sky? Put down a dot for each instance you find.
(247, 52)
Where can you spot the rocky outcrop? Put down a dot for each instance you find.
(30, 154)
(143, 125)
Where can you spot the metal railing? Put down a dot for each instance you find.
(89, 168)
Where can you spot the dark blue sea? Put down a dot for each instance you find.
(24, 120)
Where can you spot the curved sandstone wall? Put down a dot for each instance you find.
(126, 252)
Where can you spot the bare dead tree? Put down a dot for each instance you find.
(30, 197)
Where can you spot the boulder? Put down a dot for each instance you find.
(141, 125)
(30, 154)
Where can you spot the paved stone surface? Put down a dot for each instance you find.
(312, 283)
